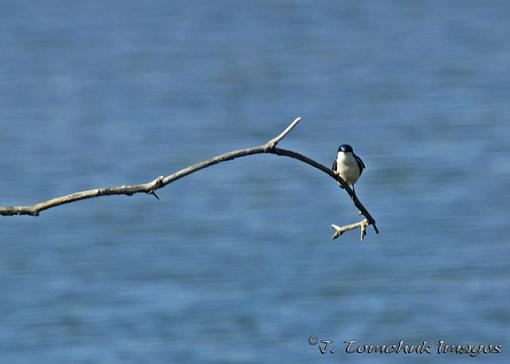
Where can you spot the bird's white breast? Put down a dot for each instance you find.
(347, 167)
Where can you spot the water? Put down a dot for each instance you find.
(235, 264)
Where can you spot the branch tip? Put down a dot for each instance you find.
(363, 231)
(153, 193)
(375, 228)
(273, 142)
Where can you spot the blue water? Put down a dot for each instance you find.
(235, 264)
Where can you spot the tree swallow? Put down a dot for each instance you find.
(348, 165)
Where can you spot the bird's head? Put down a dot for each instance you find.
(345, 148)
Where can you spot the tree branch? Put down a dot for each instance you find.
(150, 187)
(362, 225)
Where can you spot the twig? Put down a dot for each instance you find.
(273, 142)
(150, 187)
(362, 225)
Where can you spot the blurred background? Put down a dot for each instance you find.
(235, 264)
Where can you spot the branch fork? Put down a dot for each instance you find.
(150, 187)
(362, 225)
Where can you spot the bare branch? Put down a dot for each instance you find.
(339, 230)
(273, 142)
(161, 181)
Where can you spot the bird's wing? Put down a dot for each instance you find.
(334, 170)
(361, 165)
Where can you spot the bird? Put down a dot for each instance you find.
(348, 165)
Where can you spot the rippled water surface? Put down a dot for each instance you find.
(235, 264)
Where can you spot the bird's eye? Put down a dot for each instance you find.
(345, 148)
